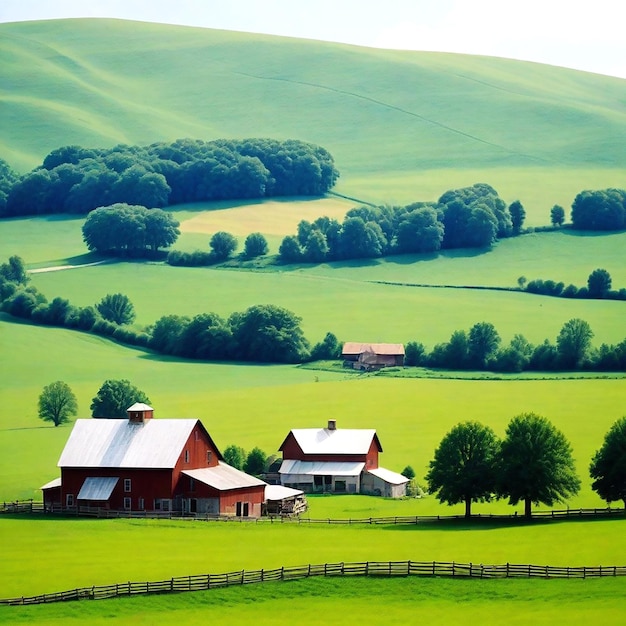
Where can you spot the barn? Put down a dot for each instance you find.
(332, 460)
(152, 465)
(372, 356)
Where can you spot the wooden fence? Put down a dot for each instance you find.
(31, 507)
(368, 568)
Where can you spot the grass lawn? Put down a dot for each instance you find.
(350, 601)
(110, 551)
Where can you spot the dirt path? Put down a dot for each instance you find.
(57, 268)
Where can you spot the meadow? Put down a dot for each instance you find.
(348, 602)
(402, 127)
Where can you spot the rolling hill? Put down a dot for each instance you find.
(401, 125)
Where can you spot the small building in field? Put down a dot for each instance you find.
(333, 460)
(152, 465)
(372, 356)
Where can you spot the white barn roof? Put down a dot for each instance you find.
(321, 468)
(52, 484)
(274, 493)
(339, 441)
(120, 443)
(224, 477)
(388, 476)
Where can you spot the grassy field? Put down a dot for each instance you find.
(254, 405)
(349, 602)
(402, 126)
(161, 549)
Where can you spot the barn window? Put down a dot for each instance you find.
(209, 456)
(192, 484)
(186, 456)
(127, 503)
(69, 499)
(127, 485)
(141, 505)
(196, 434)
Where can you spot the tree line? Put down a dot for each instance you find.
(272, 334)
(73, 179)
(599, 285)
(533, 464)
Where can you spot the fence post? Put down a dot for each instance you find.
(507, 569)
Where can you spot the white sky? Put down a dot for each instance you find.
(581, 34)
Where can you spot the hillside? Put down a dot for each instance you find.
(399, 124)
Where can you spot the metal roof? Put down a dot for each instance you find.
(223, 477)
(52, 484)
(388, 476)
(278, 492)
(97, 488)
(354, 347)
(140, 406)
(338, 441)
(155, 443)
(321, 468)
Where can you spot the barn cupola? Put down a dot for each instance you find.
(139, 413)
(332, 424)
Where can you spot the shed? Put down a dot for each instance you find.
(368, 356)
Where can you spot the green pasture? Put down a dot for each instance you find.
(110, 551)
(350, 601)
(344, 300)
(257, 405)
(537, 188)
(103, 82)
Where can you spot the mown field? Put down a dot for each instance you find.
(402, 127)
(350, 602)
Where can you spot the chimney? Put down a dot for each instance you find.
(332, 424)
(139, 413)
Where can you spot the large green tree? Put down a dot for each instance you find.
(115, 397)
(464, 466)
(608, 465)
(222, 245)
(483, 341)
(535, 464)
(599, 283)
(573, 342)
(116, 308)
(235, 456)
(518, 215)
(268, 333)
(57, 403)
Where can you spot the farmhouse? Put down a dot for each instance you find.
(147, 464)
(337, 461)
(372, 356)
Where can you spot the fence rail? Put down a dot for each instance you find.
(368, 568)
(32, 507)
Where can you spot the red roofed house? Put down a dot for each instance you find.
(146, 464)
(371, 356)
(338, 461)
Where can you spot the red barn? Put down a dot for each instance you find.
(146, 464)
(337, 460)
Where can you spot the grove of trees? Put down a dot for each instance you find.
(599, 210)
(73, 179)
(533, 464)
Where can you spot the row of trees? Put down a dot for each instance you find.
(73, 179)
(222, 245)
(533, 464)
(57, 402)
(480, 349)
(462, 218)
(273, 334)
(598, 286)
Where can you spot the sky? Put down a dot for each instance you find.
(580, 34)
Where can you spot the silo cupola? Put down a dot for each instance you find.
(139, 413)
